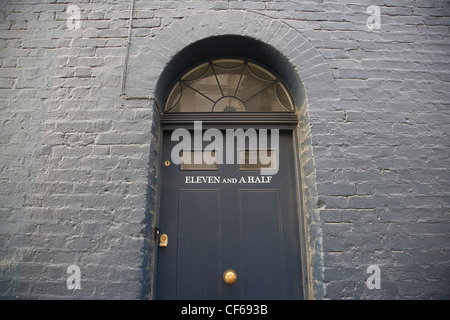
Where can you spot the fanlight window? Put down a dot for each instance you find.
(229, 85)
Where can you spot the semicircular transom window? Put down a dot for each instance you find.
(229, 85)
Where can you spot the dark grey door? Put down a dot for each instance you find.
(229, 217)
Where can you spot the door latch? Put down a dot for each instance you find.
(163, 240)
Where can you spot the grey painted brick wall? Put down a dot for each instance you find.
(79, 163)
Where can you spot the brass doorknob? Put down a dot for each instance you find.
(230, 276)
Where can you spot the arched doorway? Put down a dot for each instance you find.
(159, 60)
(230, 217)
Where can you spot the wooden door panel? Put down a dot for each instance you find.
(262, 260)
(198, 244)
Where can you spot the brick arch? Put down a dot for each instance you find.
(153, 55)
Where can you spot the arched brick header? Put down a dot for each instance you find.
(152, 57)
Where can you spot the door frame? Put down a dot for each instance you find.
(283, 121)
